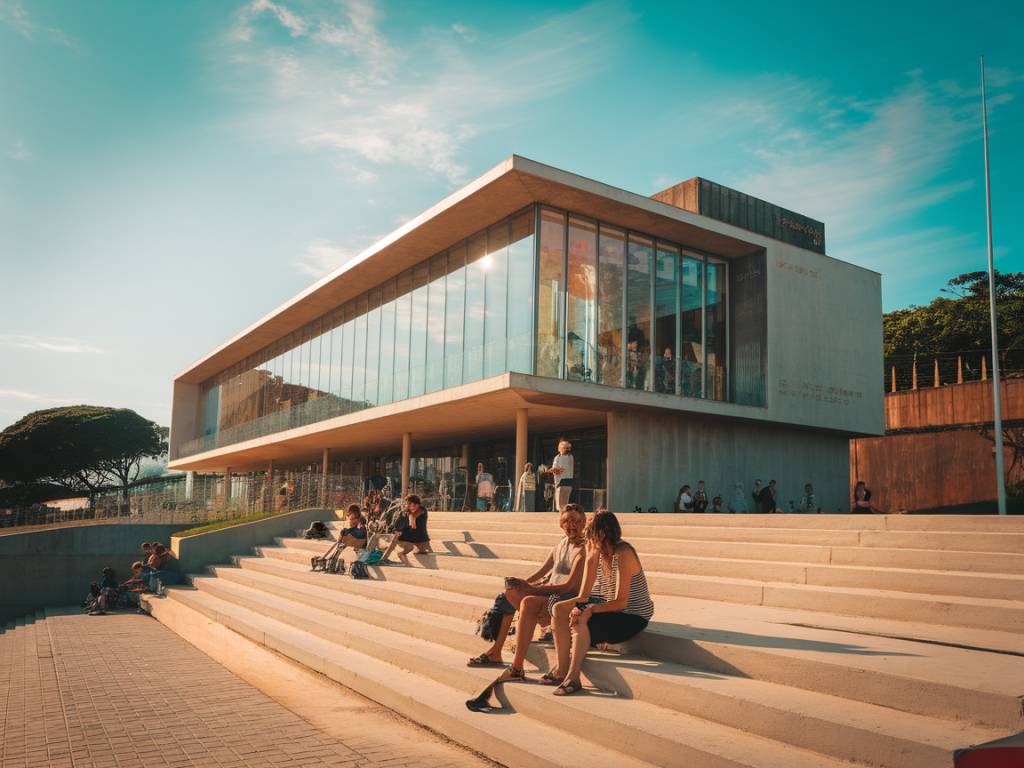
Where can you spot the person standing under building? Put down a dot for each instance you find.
(526, 490)
(768, 498)
(809, 502)
(562, 468)
(700, 498)
(484, 488)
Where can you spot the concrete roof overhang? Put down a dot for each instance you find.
(479, 411)
(503, 190)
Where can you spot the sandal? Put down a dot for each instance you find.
(483, 660)
(568, 688)
(512, 674)
(549, 678)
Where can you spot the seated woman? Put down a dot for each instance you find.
(612, 606)
(414, 533)
(353, 535)
(163, 568)
(557, 579)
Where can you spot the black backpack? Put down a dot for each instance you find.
(317, 530)
(358, 570)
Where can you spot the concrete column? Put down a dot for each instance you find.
(268, 501)
(190, 485)
(324, 494)
(522, 433)
(406, 457)
(465, 459)
(227, 486)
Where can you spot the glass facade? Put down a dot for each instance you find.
(583, 301)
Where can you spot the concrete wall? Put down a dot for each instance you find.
(651, 455)
(825, 364)
(196, 552)
(54, 566)
(968, 403)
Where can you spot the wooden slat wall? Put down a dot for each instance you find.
(969, 403)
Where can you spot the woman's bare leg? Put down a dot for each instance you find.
(580, 646)
(530, 612)
(562, 634)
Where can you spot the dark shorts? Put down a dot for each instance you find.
(615, 627)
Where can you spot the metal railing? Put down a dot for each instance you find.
(903, 372)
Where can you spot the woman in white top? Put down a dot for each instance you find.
(562, 469)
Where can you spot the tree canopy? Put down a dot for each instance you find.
(81, 447)
(959, 320)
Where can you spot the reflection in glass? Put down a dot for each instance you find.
(454, 315)
(520, 293)
(692, 352)
(581, 288)
(665, 317)
(348, 347)
(638, 312)
(418, 335)
(495, 267)
(359, 353)
(715, 330)
(386, 380)
(403, 326)
(435, 324)
(611, 277)
(549, 293)
(476, 265)
(372, 346)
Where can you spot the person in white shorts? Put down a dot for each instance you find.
(562, 469)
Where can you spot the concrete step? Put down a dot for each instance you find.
(813, 721)
(652, 733)
(512, 739)
(934, 559)
(832, 522)
(774, 645)
(1009, 541)
(748, 566)
(981, 613)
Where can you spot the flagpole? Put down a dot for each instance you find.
(997, 408)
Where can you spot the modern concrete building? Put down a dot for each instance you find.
(698, 334)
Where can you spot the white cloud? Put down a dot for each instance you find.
(14, 15)
(243, 29)
(35, 397)
(349, 89)
(322, 256)
(19, 151)
(60, 344)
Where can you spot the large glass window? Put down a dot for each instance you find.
(521, 293)
(372, 346)
(435, 324)
(666, 317)
(568, 297)
(611, 284)
(476, 268)
(549, 293)
(418, 335)
(454, 315)
(359, 355)
(638, 312)
(388, 311)
(403, 325)
(715, 330)
(495, 266)
(692, 352)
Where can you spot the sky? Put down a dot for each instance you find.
(172, 171)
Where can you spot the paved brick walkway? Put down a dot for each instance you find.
(122, 690)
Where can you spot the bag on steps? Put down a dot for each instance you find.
(317, 530)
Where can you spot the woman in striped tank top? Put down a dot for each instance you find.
(613, 604)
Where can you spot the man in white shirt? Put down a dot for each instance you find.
(562, 468)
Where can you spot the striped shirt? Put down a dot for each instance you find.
(605, 586)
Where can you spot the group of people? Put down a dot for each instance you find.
(590, 592)
(765, 498)
(157, 567)
(557, 493)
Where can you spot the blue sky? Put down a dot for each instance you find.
(171, 171)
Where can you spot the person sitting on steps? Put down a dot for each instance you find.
(557, 578)
(413, 533)
(613, 604)
(353, 535)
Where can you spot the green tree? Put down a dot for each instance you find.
(959, 320)
(82, 448)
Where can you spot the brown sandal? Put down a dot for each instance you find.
(550, 679)
(483, 660)
(568, 688)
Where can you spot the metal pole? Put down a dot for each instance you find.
(997, 408)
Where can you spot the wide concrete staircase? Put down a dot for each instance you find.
(778, 640)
